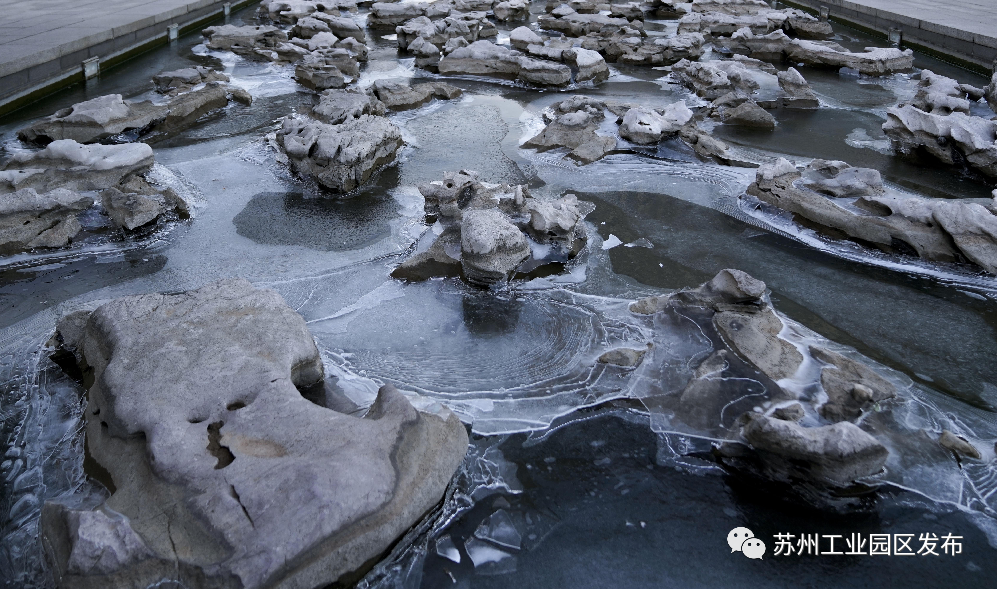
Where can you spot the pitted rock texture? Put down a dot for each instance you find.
(222, 474)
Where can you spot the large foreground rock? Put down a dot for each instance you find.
(221, 473)
(29, 220)
(340, 157)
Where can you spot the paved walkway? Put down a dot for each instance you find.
(44, 42)
(964, 29)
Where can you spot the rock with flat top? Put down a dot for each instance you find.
(491, 247)
(221, 473)
(951, 139)
(399, 96)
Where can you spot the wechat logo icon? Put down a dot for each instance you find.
(743, 540)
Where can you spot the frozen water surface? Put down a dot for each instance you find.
(579, 474)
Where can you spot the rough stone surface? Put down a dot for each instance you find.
(875, 61)
(398, 96)
(749, 114)
(951, 139)
(196, 416)
(799, 95)
(839, 453)
(958, 444)
(491, 246)
(340, 157)
(68, 164)
(644, 126)
(29, 220)
(244, 40)
(944, 230)
(131, 210)
(336, 106)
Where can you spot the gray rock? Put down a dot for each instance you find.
(749, 114)
(959, 445)
(839, 453)
(30, 220)
(574, 24)
(875, 61)
(341, 26)
(851, 386)
(942, 95)
(838, 179)
(244, 40)
(799, 95)
(544, 73)
(68, 164)
(755, 336)
(340, 157)
(743, 42)
(336, 106)
(629, 46)
(131, 210)
(948, 138)
(943, 230)
(991, 93)
(554, 219)
(624, 357)
(435, 261)
(94, 120)
(711, 80)
(390, 15)
(183, 80)
(327, 68)
(590, 65)
(512, 10)
(398, 96)
(196, 415)
(492, 247)
(793, 412)
(644, 126)
(522, 37)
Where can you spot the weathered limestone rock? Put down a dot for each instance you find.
(131, 210)
(644, 126)
(68, 164)
(184, 80)
(323, 69)
(749, 114)
(799, 95)
(523, 37)
(390, 15)
(482, 231)
(838, 453)
(30, 220)
(487, 58)
(398, 96)
(852, 387)
(941, 230)
(217, 463)
(574, 24)
(511, 10)
(952, 139)
(290, 11)
(244, 40)
(623, 357)
(590, 65)
(576, 129)
(991, 93)
(875, 61)
(491, 246)
(743, 42)
(340, 157)
(941, 95)
(93, 120)
(958, 444)
(629, 46)
(711, 80)
(336, 106)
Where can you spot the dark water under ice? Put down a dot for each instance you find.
(598, 491)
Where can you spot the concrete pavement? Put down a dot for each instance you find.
(43, 43)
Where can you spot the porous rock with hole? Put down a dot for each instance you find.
(221, 473)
